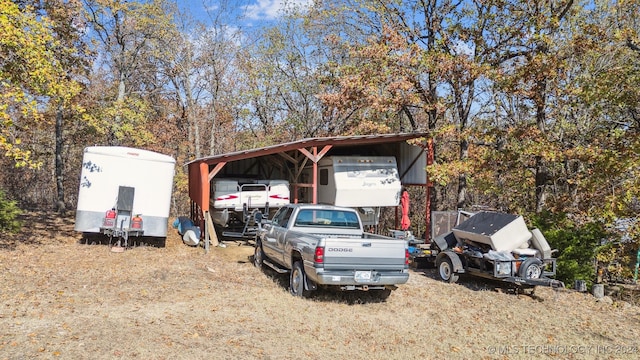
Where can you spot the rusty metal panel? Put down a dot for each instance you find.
(412, 163)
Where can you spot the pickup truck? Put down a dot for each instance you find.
(326, 246)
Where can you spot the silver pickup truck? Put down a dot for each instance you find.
(323, 245)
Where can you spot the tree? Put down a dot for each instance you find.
(32, 76)
(282, 82)
(132, 37)
(422, 63)
(383, 72)
(9, 212)
(533, 67)
(220, 82)
(74, 56)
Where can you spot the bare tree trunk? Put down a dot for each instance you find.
(122, 91)
(213, 136)
(462, 178)
(196, 135)
(59, 163)
(194, 130)
(541, 170)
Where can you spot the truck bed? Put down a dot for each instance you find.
(358, 254)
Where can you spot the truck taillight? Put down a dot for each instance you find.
(318, 257)
(406, 256)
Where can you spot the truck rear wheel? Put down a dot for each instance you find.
(296, 280)
(531, 269)
(445, 269)
(382, 294)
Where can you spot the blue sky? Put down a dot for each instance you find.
(253, 12)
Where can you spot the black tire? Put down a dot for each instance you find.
(296, 280)
(531, 269)
(381, 295)
(258, 255)
(445, 270)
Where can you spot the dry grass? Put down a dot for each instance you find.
(63, 299)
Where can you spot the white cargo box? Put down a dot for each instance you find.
(503, 232)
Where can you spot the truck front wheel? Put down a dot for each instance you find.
(258, 256)
(296, 281)
(445, 269)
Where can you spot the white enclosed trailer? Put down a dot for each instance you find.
(131, 182)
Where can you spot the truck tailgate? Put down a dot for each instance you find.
(364, 254)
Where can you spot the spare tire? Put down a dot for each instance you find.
(531, 268)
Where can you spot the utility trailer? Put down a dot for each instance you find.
(495, 246)
(124, 192)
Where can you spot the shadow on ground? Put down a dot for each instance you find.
(480, 284)
(38, 228)
(332, 294)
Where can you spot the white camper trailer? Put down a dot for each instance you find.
(124, 191)
(363, 182)
(359, 181)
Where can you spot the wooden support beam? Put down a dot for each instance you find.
(288, 157)
(216, 170)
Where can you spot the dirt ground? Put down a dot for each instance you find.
(63, 299)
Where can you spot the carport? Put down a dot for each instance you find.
(413, 151)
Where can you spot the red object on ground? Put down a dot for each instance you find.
(404, 203)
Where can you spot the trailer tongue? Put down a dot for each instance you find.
(495, 246)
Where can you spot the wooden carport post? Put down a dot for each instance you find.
(209, 229)
(428, 191)
(315, 157)
(204, 199)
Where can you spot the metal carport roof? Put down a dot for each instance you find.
(334, 141)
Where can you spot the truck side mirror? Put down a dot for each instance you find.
(257, 216)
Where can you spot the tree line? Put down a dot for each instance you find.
(533, 106)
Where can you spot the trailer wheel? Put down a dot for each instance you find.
(445, 269)
(531, 269)
(258, 256)
(296, 281)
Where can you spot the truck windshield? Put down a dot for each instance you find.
(327, 218)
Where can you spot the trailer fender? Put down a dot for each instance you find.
(455, 260)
